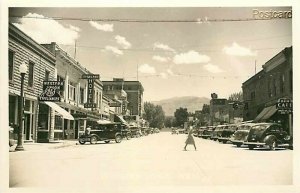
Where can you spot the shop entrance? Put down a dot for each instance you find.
(27, 126)
(76, 128)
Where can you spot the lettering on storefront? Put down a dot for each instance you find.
(284, 106)
(51, 91)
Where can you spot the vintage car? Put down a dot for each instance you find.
(207, 132)
(227, 132)
(135, 131)
(126, 132)
(270, 135)
(102, 132)
(241, 134)
(217, 132)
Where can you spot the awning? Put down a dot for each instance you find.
(272, 110)
(103, 122)
(65, 114)
(265, 113)
(121, 120)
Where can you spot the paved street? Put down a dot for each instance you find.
(154, 160)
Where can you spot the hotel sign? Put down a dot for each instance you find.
(90, 95)
(51, 90)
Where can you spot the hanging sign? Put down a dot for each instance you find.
(51, 90)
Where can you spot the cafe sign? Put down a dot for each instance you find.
(51, 90)
(284, 105)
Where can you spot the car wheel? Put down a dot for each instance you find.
(106, 141)
(251, 147)
(128, 137)
(238, 145)
(272, 145)
(93, 140)
(81, 141)
(118, 139)
(224, 141)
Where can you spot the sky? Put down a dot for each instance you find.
(170, 59)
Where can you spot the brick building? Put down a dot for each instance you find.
(219, 111)
(134, 90)
(262, 91)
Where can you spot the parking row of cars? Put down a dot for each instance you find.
(269, 135)
(113, 131)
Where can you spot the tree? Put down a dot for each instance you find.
(236, 97)
(205, 109)
(154, 114)
(181, 116)
(170, 121)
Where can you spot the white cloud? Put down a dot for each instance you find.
(47, 30)
(237, 50)
(161, 46)
(163, 75)
(170, 72)
(114, 50)
(161, 59)
(212, 68)
(102, 27)
(123, 42)
(74, 28)
(146, 69)
(190, 57)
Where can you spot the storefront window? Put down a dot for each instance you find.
(58, 122)
(12, 109)
(81, 125)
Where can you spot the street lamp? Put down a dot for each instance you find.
(23, 70)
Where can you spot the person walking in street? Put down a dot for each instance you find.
(190, 139)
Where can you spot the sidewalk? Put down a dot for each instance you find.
(44, 146)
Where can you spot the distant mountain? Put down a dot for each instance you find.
(190, 102)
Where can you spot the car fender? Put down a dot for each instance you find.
(118, 133)
(269, 138)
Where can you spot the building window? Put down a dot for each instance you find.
(30, 74)
(252, 95)
(269, 89)
(274, 87)
(61, 79)
(282, 83)
(47, 75)
(11, 56)
(72, 92)
(81, 95)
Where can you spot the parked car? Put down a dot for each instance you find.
(241, 134)
(102, 132)
(227, 132)
(135, 132)
(125, 131)
(270, 135)
(207, 132)
(217, 132)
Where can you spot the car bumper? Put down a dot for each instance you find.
(234, 141)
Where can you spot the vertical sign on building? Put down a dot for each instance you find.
(90, 94)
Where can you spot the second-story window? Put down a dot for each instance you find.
(61, 79)
(72, 91)
(81, 95)
(11, 56)
(30, 74)
(47, 75)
